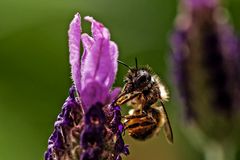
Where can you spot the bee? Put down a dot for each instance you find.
(145, 93)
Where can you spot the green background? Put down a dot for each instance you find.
(35, 72)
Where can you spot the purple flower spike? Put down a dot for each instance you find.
(89, 127)
(206, 67)
(66, 132)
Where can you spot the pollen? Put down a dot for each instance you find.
(163, 92)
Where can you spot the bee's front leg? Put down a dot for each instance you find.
(134, 116)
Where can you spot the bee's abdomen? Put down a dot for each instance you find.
(141, 130)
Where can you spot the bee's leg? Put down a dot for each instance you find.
(142, 110)
(147, 106)
(123, 133)
(131, 112)
(125, 97)
(134, 116)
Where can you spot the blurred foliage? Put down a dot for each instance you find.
(35, 73)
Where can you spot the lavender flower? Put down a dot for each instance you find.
(89, 127)
(206, 67)
(205, 53)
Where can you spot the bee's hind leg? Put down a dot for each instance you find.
(130, 117)
(133, 113)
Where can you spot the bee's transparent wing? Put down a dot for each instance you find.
(166, 126)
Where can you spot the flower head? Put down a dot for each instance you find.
(206, 63)
(93, 73)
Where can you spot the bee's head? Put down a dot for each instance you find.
(137, 79)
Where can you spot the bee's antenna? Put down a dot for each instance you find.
(136, 63)
(124, 64)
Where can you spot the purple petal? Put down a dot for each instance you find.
(115, 92)
(91, 154)
(93, 93)
(98, 29)
(120, 146)
(121, 128)
(87, 42)
(114, 57)
(201, 3)
(95, 116)
(98, 63)
(74, 34)
(100, 58)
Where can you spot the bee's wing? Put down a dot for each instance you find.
(166, 126)
(125, 97)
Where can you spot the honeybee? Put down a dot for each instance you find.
(145, 93)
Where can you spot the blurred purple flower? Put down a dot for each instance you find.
(89, 127)
(206, 66)
(193, 4)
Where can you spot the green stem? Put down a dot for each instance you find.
(216, 151)
(213, 150)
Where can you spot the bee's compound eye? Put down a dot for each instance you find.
(142, 79)
(148, 78)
